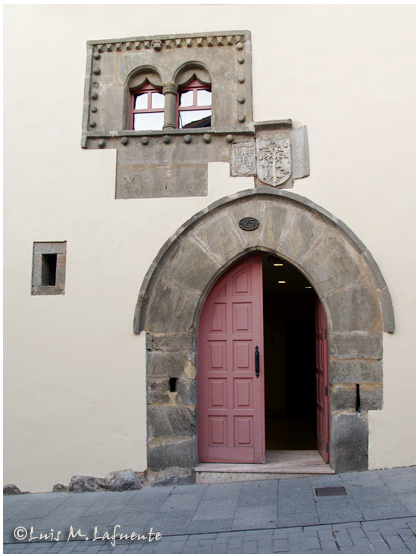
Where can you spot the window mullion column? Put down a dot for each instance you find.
(170, 95)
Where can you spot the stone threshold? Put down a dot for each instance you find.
(280, 464)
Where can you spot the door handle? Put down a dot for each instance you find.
(257, 362)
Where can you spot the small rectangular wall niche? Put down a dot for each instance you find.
(48, 268)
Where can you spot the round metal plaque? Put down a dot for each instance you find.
(248, 223)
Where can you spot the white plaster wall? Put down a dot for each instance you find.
(74, 382)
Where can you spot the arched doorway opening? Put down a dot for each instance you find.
(340, 268)
(263, 364)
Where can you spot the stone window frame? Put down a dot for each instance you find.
(97, 134)
(40, 249)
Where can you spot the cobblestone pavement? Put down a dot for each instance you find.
(388, 536)
(374, 513)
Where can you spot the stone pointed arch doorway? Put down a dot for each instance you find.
(263, 362)
(346, 278)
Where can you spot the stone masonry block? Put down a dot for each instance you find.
(191, 267)
(178, 452)
(355, 371)
(273, 224)
(353, 309)
(220, 237)
(332, 264)
(342, 397)
(159, 180)
(166, 420)
(371, 396)
(165, 364)
(303, 232)
(356, 345)
(349, 442)
(174, 310)
(158, 391)
(173, 342)
(187, 391)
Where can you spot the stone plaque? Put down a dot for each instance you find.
(243, 159)
(274, 160)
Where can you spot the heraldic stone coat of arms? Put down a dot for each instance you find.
(243, 161)
(274, 160)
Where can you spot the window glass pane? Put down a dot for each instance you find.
(186, 98)
(140, 101)
(203, 97)
(152, 120)
(157, 100)
(195, 118)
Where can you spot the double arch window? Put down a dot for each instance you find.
(183, 106)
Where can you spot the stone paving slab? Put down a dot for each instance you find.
(348, 538)
(376, 514)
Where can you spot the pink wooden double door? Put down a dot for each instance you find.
(231, 367)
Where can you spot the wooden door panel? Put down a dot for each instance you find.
(322, 398)
(218, 431)
(231, 398)
(243, 393)
(242, 317)
(242, 360)
(217, 352)
(243, 427)
(217, 393)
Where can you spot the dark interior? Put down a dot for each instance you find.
(290, 364)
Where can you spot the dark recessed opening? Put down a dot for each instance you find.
(330, 491)
(49, 270)
(358, 400)
(290, 357)
(172, 384)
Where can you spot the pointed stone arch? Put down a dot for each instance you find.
(341, 270)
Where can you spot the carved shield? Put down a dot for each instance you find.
(243, 159)
(274, 160)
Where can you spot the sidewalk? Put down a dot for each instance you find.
(375, 515)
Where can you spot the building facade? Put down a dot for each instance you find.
(224, 265)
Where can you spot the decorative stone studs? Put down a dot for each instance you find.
(241, 79)
(242, 119)
(96, 56)
(94, 96)
(101, 144)
(144, 140)
(241, 100)
(166, 139)
(240, 59)
(229, 138)
(207, 138)
(239, 46)
(94, 109)
(187, 138)
(124, 140)
(92, 124)
(96, 71)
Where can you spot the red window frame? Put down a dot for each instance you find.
(149, 89)
(195, 85)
